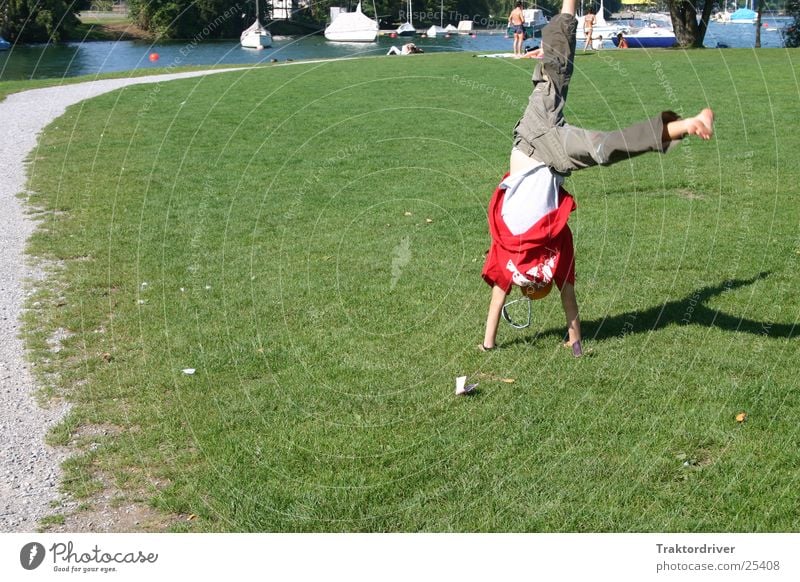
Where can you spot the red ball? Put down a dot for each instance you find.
(153, 57)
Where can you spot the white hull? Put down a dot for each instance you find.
(352, 36)
(604, 30)
(406, 29)
(256, 40)
(256, 37)
(352, 27)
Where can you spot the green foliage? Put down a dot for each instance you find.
(791, 35)
(221, 19)
(202, 19)
(39, 20)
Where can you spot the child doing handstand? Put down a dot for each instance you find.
(531, 241)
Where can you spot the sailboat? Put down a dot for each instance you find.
(407, 28)
(601, 27)
(256, 36)
(434, 30)
(353, 27)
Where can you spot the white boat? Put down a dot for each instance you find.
(256, 36)
(407, 28)
(534, 21)
(723, 17)
(744, 16)
(601, 26)
(465, 27)
(352, 27)
(440, 30)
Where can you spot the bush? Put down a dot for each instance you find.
(791, 36)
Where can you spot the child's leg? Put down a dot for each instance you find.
(570, 304)
(493, 319)
(570, 148)
(551, 80)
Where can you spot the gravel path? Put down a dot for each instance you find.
(30, 470)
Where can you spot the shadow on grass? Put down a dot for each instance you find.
(689, 310)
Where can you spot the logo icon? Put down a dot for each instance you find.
(31, 556)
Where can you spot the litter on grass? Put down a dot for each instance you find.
(188, 371)
(462, 387)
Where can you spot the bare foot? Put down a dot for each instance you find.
(702, 124)
(536, 53)
(576, 347)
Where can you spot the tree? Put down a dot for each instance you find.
(39, 20)
(791, 36)
(758, 24)
(688, 32)
(190, 19)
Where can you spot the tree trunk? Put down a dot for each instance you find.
(688, 33)
(758, 24)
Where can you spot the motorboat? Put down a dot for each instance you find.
(256, 36)
(650, 37)
(4, 44)
(351, 27)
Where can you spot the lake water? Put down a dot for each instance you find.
(91, 58)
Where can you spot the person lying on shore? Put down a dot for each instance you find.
(407, 49)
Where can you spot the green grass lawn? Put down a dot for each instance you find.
(310, 240)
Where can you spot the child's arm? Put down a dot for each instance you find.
(493, 319)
